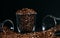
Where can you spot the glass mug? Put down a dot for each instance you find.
(26, 20)
(6, 24)
(50, 22)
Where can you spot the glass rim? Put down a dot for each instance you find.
(25, 13)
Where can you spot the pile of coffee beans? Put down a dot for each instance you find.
(25, 11)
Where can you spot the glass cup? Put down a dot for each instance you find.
(7, 24)
(48, 22)
(26, 20)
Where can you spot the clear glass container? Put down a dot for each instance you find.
(51, 26)
(26, 20)
(7, 24)
(48, 22)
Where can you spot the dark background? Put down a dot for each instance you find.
(42, 7)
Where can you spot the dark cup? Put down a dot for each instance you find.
(26, 22)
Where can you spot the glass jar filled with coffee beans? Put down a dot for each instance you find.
(26, 20)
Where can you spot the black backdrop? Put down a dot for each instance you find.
(43, 7)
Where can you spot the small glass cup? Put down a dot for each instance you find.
(48, 22)
(7, 24)
(26, 20)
